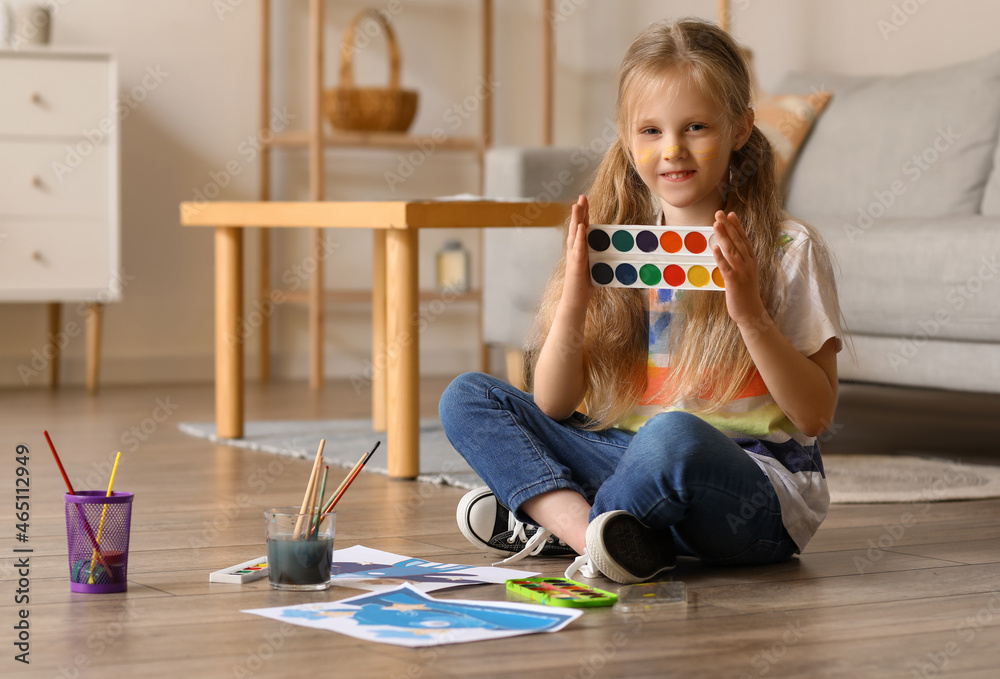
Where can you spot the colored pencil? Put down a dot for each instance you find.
(79, 509)
(350, 479)
(104, 515)
(307, 499)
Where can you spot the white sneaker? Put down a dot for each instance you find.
(491, 527)
(624, 549)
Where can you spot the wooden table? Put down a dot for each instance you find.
(395, 316)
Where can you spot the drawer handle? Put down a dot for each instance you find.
(36, 98)
(37, 255)
(36, 181)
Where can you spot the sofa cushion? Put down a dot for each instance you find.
(926, 138)
(942, 364)
(919, 278)
(991, 197)
(785, 119)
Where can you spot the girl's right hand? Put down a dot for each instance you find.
(559, 383)
(578, 288)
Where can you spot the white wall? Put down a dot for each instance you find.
(193, 124)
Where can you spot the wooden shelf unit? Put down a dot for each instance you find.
(317, 139)
(383, 140)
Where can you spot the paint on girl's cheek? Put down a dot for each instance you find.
(645, 156)
(649, 155)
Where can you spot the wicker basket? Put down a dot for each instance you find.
(370, 109)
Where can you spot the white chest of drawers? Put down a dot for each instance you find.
(59, 182)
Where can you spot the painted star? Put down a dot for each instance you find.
(408, 607)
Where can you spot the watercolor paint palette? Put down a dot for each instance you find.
(679, 258)
(553, 591)
(248, 571)
(651, 597)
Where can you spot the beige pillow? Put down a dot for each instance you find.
(785, 119)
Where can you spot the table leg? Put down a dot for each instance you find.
(403, 353)
(379, 354)
(95, 313)
(264, 295)
(54, 317)
(228, 336)
(316, 313)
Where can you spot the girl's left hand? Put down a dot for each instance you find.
(735, 258)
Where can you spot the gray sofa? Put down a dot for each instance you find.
(901, 175)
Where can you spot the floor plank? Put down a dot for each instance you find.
(889, 590)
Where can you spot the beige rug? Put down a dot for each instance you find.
(852, 478)
(906, 478)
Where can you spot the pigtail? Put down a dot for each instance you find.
(614, 341)
(753, 188)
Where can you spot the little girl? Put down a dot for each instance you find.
(702, 408)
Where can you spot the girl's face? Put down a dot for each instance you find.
(681, 142)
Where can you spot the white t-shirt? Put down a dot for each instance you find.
(807, 314)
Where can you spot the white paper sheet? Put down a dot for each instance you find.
(365, 568)
(405, 616)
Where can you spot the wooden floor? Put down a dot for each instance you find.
(882, 591)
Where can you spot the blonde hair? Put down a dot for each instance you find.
(708, 357)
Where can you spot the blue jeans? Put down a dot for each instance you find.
(678, 472)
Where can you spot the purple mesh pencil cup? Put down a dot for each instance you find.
(97, 532)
